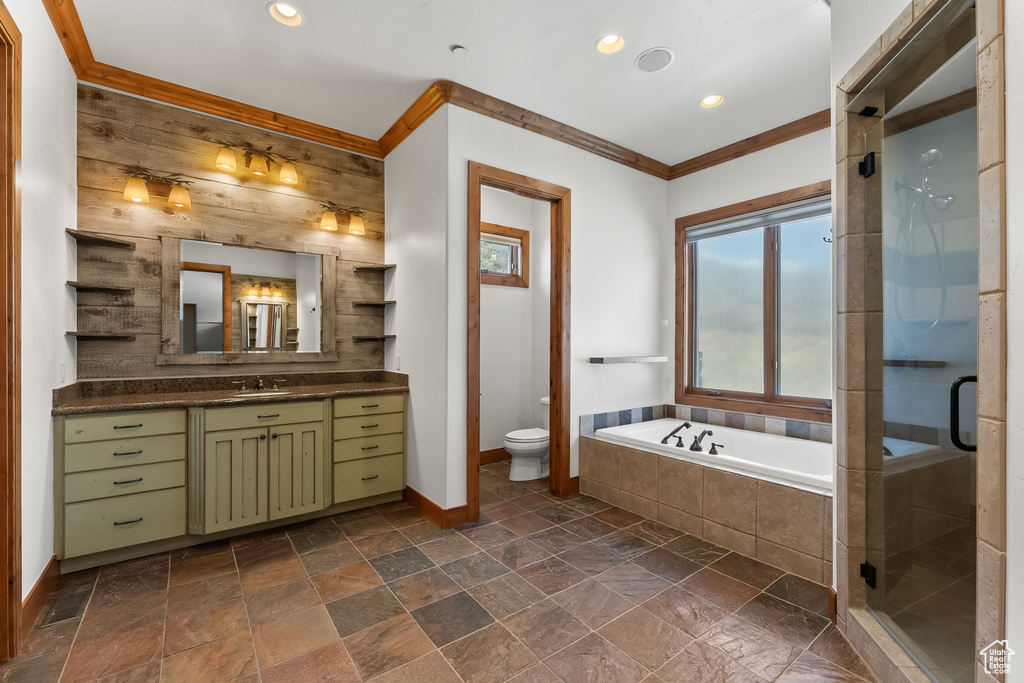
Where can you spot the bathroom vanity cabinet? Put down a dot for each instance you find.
(132, 483)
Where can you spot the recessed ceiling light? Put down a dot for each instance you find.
(458, 50)
(610, 44)
(712, 101)
(284, 13)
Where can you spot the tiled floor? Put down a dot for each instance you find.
(539, 591)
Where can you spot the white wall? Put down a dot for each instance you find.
(509, 338)
(856, 24)
(416, 213)
(621, 272)
(1014, 45)
(540, 287)
(245, 260)
(48, 206)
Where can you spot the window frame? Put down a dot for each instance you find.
(520, 259)
(769, 402)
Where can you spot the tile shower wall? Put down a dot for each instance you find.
(796, 429)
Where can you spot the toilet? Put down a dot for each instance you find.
(529, 449)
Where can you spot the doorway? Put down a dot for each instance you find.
(481, 176)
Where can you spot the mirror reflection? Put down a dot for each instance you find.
(246, 300)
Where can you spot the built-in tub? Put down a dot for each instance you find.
(904, 456)
(799, 463)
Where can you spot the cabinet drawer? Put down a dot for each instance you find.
(121, 425)
(263, 415)
(353, 449)
(357, 479)
(120, 481)
(368, 425)
(96, 455)
(123, 521)
(369, 405)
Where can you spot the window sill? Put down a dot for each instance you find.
(781, 409)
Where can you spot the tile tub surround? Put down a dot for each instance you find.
(795, 429)
(779, 525)
(99, 396)
(310, 603)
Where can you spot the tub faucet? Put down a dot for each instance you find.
(685, 425)
(714, 448)
(695, 446)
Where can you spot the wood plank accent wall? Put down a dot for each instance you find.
(117, 130)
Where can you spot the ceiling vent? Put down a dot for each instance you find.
(655, 59)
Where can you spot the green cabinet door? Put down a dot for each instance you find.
(296, 469)
(236, 472)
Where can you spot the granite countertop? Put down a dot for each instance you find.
(105, 396)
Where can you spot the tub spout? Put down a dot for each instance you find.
(695, 446)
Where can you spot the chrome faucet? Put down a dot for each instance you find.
(695, 446)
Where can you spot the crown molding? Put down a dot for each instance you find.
(68, 25)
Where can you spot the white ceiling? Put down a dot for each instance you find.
(356, 65)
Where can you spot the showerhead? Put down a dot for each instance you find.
(943, 202)
(930, 157)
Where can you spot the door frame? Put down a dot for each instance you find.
(11, 627)
(480, 175)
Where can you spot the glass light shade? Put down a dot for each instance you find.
(329, 221)
(226, 160)
(355, 226)
(278, 292)
(254, 290)
(289, 175)
(179, 199)
(265, 290)
(258, 165)
(135, 191)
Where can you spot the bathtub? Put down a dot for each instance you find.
(911, 455)
(799, 463)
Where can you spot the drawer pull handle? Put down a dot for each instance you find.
(370, 448)
(375, 405)
(369, 478)
(134, 521)
(267, 417)
(129, 453)
(128, 481)
(263, 437)
(128, 426)
(369, 426)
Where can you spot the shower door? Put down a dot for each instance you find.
(921, 516)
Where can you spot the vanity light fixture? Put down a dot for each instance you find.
(329, 221)
(135, 191)
(355, 225)
(284, 13)
(254, 290)
(277, 292)
(712, 101)
(264, 289)
(288, 174)
(226, 160)
(258, 165)
(179, 198)
(610, 44)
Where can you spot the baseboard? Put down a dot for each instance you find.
(574, 486)
(832, 604)
(494, 455)
(443, 517)
(36, 599)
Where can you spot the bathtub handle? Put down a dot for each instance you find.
(714, 448)
(954, 411)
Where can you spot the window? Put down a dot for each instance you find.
(756, 311)
(504, 256)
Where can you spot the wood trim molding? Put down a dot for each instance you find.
(494, 455)
(482, 103)
(560, 482)
(433, 98)
(36, 599)
(833, 600)
(12, 618)
(755, 143)
(67, 23)
(822, 189)
(933, 111)
(446, 518)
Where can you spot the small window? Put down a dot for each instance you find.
(758, 312)
(504, 256)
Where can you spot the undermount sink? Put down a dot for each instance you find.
(264, 392)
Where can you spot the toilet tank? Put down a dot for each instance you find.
(545, 413)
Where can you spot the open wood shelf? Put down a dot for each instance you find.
(379, 337)
(372, 303)
(86, 287)
(374, 267)
(97, 336)
(98, 240)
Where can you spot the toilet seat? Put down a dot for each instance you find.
(524, 436)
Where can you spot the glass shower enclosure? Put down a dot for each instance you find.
(921, 519)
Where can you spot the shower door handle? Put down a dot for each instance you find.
(954, 411)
